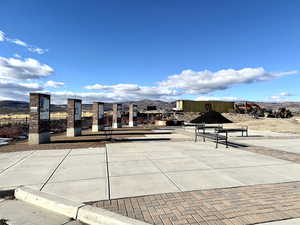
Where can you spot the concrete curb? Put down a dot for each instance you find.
(82, 212)
(50, 202)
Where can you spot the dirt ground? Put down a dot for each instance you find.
(291, 125)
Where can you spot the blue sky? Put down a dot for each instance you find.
(122, 50)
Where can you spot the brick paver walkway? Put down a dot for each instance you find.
(228, 206)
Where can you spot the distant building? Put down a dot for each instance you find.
(204, 106)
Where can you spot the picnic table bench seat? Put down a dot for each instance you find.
(200, 129)
(217, 134)
(233, 130)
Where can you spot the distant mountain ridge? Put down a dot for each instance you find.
(20, 107)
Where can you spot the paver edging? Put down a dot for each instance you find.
(82, 212)
(96, 216)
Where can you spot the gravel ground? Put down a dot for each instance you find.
(291, 125)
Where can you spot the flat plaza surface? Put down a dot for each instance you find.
(205, 185)
(284, 144)
(141, 168)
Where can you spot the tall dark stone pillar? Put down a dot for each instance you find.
(98, 116)
(132, 115)
(74, 118)
(117, 116)
(39, 122)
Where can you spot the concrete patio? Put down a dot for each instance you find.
(141, 168)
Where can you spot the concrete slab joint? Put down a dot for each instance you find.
(84, 213)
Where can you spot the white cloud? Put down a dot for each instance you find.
(213, 98)
(18, 69)
(203, 82)
(117, 94)
(123, 92)
(285, 94)
(121, 87)
(31, 85)
(17, 42)
(280, 97)
(187, 83)
(54, 84)
(17, 75)
(2, 36)
(38, 50)
(17, 56)
(20, 86)
(17, 91)
(29, 47)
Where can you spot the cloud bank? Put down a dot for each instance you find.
(20, 76)
(18, 69)
(203, 82)
(17, 91)
(280, 97)
(188, 82)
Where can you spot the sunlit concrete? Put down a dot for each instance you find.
(142, 168)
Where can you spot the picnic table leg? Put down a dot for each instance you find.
(195, 134)
(203, 134)
(242, 133)
(217, 141)
(226, 139)
(247, 132)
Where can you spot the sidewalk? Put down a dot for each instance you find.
(16, 212)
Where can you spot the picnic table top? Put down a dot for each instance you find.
(223, 130)
(208, 126)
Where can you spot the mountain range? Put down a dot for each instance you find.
(19, 107)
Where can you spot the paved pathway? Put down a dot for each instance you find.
(228, 206)
(19, 213)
